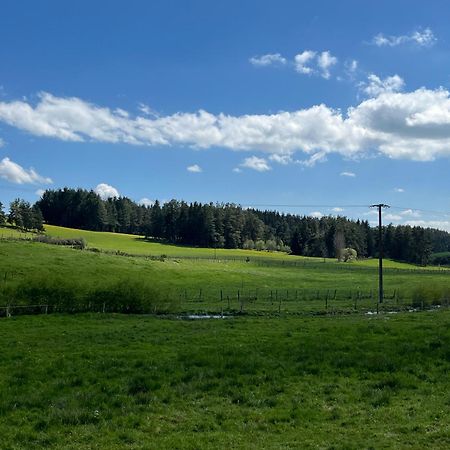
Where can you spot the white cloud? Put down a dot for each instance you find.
(302, 61)
(195, 168)
(282, 158)
(237, 170)
(14, 173)
(145, 109)
(410, 213)
(40, 192)
(352, 66)
(106, 191)
(316, 214)
(399, 190)
(255, 163)
(267, 60)
(337, 209)
(413, 125)
(425, 38)
(439, 224)
(325, 61)
(146, 202)
(376, 86)
(347, 174)
(392, 217)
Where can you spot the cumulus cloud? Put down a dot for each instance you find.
(146, 202)
(14, 173)
(106, 191)
(255, 163)
(310, 62)
(268, 60)
(40, 192)
(348, 174)
(325, 61)
(316, 214)
(195, 168)
(302, 61)
(376, 86)
(337, 209)
(420, 38)
(412, 125)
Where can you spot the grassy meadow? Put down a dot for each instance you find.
(289, 368)
(143, 382)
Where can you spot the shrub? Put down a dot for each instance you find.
(129, 297)
(427, 295)
(53, 291)
(78, 243)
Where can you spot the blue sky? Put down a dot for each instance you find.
(326, 104)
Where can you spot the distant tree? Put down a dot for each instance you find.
(248, 244)
(339, 243)
(37, 218)
(348, 254)
(2, 215)
(15, 214)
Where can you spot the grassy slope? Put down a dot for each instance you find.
(115, 382)
(138, 246)
(24, 260)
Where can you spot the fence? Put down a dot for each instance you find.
(251, 301)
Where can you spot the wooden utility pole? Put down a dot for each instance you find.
(380, 251)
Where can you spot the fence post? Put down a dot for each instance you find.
(8, 312)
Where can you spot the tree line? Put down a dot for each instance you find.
(231, 226)
(22, 215)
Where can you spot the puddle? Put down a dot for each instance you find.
(204, 316)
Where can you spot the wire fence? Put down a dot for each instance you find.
(249, 301)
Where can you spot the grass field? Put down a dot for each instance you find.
(195, 285)
(141, 382)
(137, 245)
(277, 377)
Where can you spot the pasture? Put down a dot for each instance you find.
(143, 382)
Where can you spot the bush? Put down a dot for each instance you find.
(129, 297)
(426, 295)
(78, 243)
(57, 292)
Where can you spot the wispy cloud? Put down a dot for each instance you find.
(255, 163)
(348, 174)
(195, 168)
(421, 38)
(410, 213)
(106, 191)
(399, 190)
(14, 173)
(269, 59)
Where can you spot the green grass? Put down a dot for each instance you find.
(195, 285)
(138, 382)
